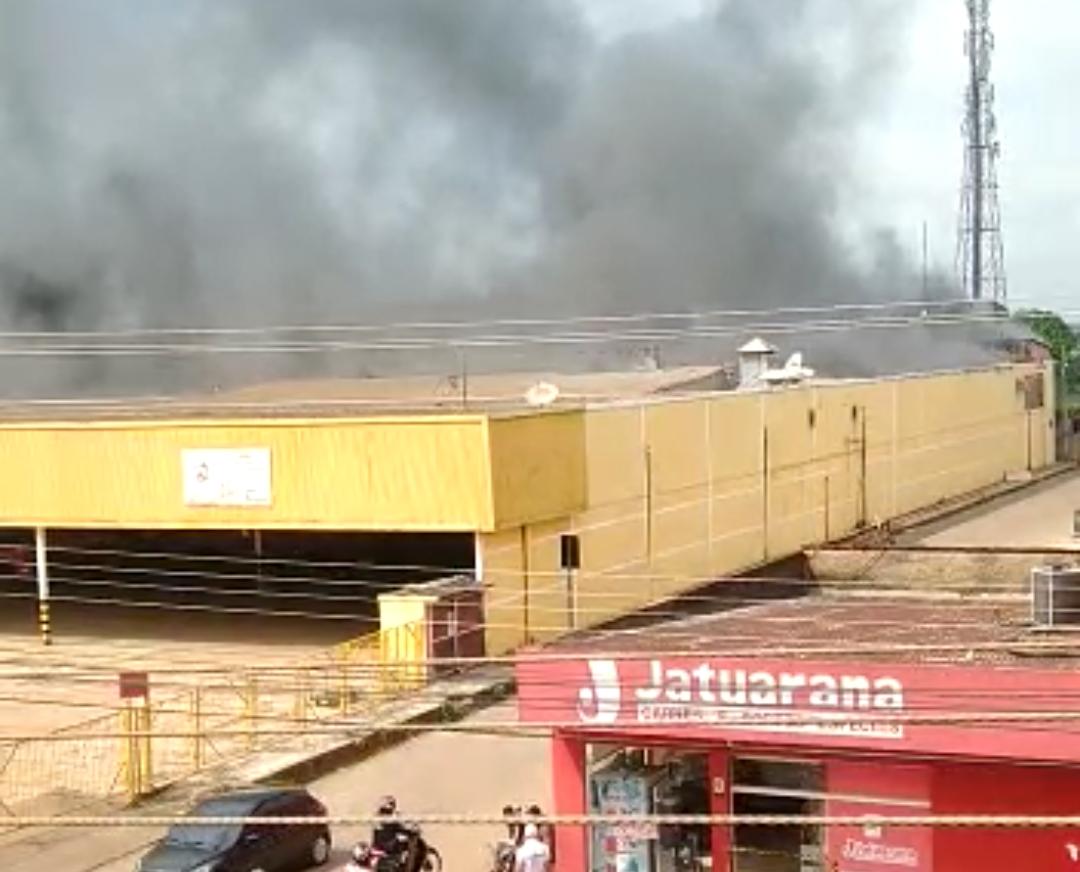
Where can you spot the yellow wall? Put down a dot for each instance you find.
(403, 636)
(538, 466)
(461, 473)
(504, 557)
(684, 490)
(366, 474)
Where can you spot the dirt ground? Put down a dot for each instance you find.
(42, 688)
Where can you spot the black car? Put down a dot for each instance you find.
(247, 848)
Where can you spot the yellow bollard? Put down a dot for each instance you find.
(300, 706)
(146, 757)
(197, 756)
(251, 709)
(44, 623)
(343, 689)
(135, 762)
(127, 754)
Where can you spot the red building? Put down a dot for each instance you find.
(814, 706)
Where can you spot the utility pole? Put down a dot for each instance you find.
(980, 255)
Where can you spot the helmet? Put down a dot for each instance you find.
(360, 852)
(531, 831)
(387, 805)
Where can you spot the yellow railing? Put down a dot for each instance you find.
(386, 662)
(145, 747)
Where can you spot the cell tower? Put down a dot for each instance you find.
(981, 254)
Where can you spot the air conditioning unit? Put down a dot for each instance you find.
(1055, 596)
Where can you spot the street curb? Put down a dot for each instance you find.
(454, 708)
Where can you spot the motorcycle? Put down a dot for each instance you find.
(416, 856)
(504, 856)
(364, 858)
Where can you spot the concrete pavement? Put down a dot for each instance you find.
(1039, 516)
(436, 772)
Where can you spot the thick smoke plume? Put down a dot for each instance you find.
(257, 162)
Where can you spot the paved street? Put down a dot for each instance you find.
(435, 773)
(1039, 517)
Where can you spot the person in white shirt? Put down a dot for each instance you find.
(532, 855)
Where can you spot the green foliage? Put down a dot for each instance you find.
(1051, 329)
(1062, 341)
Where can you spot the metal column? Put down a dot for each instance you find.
(44, 624)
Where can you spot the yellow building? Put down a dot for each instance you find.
(657, 480)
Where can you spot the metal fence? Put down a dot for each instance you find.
(160, 740)
(53, 773)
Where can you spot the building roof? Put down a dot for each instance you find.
(481, 393)
(840, 626)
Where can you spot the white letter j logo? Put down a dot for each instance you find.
(600, 703)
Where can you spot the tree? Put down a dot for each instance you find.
(1059, 338)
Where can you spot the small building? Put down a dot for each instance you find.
(824, 705)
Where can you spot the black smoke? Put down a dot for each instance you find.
(259, 162)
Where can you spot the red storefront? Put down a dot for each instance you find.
(889, 729)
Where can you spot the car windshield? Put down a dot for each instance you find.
(210, 838)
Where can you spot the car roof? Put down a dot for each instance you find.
(241, 802)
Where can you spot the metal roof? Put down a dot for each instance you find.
(853, 627)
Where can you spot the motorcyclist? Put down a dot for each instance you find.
(390, 836)
(506, 849)
(514, 826)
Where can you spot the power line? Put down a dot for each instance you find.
(501, 341)
(458, 819)
(918, 305)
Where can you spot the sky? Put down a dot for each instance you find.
(910, 150)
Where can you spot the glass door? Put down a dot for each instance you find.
(763, 786)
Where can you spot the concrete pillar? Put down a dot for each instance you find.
(569, 792)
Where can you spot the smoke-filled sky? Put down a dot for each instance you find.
(909, 155)
(215, 162)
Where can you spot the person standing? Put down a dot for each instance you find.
(533, 855)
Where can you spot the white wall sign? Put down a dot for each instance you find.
(226, 477)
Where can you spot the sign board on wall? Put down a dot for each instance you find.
(134, 685)
(237, 477)
(925, 708)
(872, 789)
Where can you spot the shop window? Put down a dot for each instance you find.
(639, 781)
(761, 786)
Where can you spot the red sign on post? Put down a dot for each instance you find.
(134, 685)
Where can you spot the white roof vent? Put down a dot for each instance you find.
(754, 362)
(757, 345)
(792, 371)
(541, 394)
